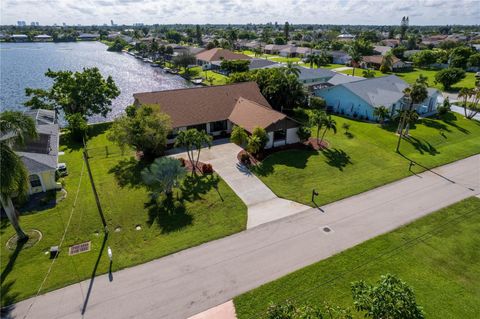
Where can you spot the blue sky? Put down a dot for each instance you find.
(421, 12)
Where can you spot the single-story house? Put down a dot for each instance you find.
(42, 38)
(375, 61)
(19, 37)
(257, 63)
(381, 49)
(216, 109)
(337, 79)
(207, 58)
(275, 48)
(293, 51)
(88, 37)
(309, 76)
(40, 155)
(360, 98)
(339, 57)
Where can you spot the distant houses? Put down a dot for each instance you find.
(211, 59)
(359, 98)
(375, 62)
(88, 37)
(42, 38)
(216, 109)
(19, 37)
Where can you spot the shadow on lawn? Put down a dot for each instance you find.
(337, 158)
(422, 146)
(297, 158)
(170, 213)
(8, 299)
(450, 119)
(127, 172)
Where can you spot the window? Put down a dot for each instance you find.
(218, 126)
(279, 135)
(199, 127)
(173, 134)
(35, 181)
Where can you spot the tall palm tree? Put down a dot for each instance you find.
(355, 55)
(15, 127)
(465, 94)
(381, 112)
(411, 116)
(387, 61)
(414, 94)
(312, 58)
(317, 118)
(330, 124)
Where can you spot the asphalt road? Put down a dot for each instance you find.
(196, 279)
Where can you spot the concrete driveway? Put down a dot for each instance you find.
(263, 205)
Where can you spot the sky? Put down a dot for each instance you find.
(382, 12)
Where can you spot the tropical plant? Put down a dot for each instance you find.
(387, 62)
(77, 126)
(292, 69)
(184, 60)
(450, 76)
(381, 113)
(330, 124)
(445, 107)
(355, 55)
(367, 73)
(144, 128)
(317, 119)
(254, 144)
(163, 175)
(15, 128)
(317, 103)
(390, 298)
(304, 132)
(238, 136)
(234, 66)
(262, 135)
(193, 141)
(411, 116)
(472, 107)
(86, 92)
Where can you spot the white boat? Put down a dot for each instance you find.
(197, 81)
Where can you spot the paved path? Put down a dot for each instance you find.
(342, 69)
(263, 205)
(196, 279)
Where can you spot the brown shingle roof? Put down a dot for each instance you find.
(201, 105)
(377, 59)
(218, 54)
(249, 115)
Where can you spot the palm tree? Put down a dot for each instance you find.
(465, 94)
(381, 112)
(415, 94)
(411, 116)
(329, 124)
(15, 127)
(355, 55)
(317, 118)
(312, 59)
(292, 69)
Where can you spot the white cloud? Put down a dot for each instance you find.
(241, 11)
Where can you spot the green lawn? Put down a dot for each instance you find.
(203, 213)
(438, 256)
(410, 77)
(333, 66)
(367, 158)
(216, 78)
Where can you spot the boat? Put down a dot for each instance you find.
(197, 81)
(155, 65)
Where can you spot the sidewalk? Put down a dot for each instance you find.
(197, 279)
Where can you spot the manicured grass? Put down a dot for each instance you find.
(438, 256)
(214, 77)
(411, 77)
(367, 158)
(333, 66)
(203, 213)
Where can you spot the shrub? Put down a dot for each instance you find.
(254, 144)
(238, 136)
(262, 136)
(245, 158)
(304, 133)
(182, 161)
(77, 126)
(207, 169)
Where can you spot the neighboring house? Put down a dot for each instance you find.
(339, 57)
(293, 51)
(216, 109)
(40, 155)
(275, 48)
(381, 49)
(88, 37)
(434, 40)
(19, 37)
(338, 78)
(309, 76)
(211, 59)
(360, 98)
(375, 61)
(257, 63)
(346, 37)
(393, 43)
(42, 38)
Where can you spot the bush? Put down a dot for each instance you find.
(450, 76)
(238, 136)
(207, 169)
(444, 108)
(304, 132)
(245, 158)
(317, 103)
(77, 126)
(262, 136)
(182, 161)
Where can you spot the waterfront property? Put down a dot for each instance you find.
(88, 37)
(216, 109)
(360, 98)
(40, 155)
(42, 38)
(211, 59)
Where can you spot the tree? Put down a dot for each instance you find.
(459, 57)
(193, 140)
(411, 116)
(163, 175)
(317, 103)
(425, 58)
(450, 76)
(118, 45)
(445, 107)
(387, 62)
(77, 126)
(238, 136)
(144, 128)
(15, 128)
(355, 55)
(317, 118)
(286, 31)
(292, 69)
(391, 298)
(198, 35)
(465, 94)
(262, 135)
(235, 66)
(184, 60)
(472, 107)
(381, 112)
(474, 61)
(254, 144)
(86, 92)
(414, 94)
(330, 124)
(403, 27)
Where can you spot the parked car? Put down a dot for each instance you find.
(62, 169)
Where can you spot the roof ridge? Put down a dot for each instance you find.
(197, 87)
(264, 106)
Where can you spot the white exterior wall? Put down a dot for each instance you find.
(270, 140)
(292, 136)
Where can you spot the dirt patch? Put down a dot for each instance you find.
(317, 144)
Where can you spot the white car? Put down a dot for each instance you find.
(62, 169)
